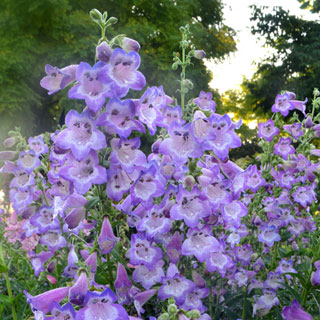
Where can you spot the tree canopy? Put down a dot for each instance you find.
(60, 32)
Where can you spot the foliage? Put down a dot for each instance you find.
(32, 31)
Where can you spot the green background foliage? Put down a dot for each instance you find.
(60, 32)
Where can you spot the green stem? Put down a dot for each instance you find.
(244, 311)
(183, 74)
(110, 272)
(14, 314)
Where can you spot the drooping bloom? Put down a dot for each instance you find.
(122, 285)
(58, 79)
(81, 135)
(43, 301)
(295, 312)
(106, 239)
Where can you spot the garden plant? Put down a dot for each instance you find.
(96, 229)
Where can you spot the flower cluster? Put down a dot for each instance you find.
(195, 223)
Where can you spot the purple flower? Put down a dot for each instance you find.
(154, 222)
(61, 313)
(218, 261)
(81, 135)
(149, 185)
(119, 118)
(143, 252)
(78, 291)
(205, 102)
(37, 145)
(90, 87)
(285, 266)
(146, 277)
(174, 247)
(283, 148)
(58, 79)
(267, 130)
(294, 130)
(101, 305)
(119, 182)
(122, 71)
(171, 115)
(22, 179)
(233, 211)
(148, 108)
(269, 235)
(176, 286)
(106, 238)
(28, 161)
(122, 285)
(44, 219)
(223, 136)
(53, 240)
(103, 52)
(181, 145)
(127, 154)
(38, 261)
(199, 242)
(304, 195)
(190, 207)
(295, 312)
(129, 44)
(265, 302)
(84, 173)
(43, 301)
(254, 179)
(71, 269)
(283, 104)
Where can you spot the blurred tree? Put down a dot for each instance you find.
(59, 32)
(294, 64)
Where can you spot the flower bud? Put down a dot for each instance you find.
(189, 181)
(129, 44)
(51, 266)
(112, 20)
(51, 279)
(194, 314)
(9, 142)
(103, 52)
(7, 155)
(96, 16)
(172, 309)
(175, 66)
(199, 54)
(164, 316)
(308, 124)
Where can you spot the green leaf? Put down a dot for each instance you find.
(5, 299)
(293, 292)
(3, 268)
(92, 202)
